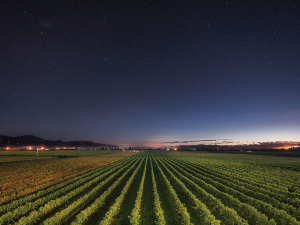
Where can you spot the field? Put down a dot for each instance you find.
(152, 188)
(12, 156)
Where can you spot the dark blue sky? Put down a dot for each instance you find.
(148, 72)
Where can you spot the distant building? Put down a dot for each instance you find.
(130, 150)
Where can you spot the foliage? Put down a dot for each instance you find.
(217, 188)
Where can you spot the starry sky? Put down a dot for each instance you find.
(151, 73)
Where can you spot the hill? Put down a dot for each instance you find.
(31, 140)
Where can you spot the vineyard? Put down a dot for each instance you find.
(152, 188)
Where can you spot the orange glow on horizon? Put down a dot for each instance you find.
(288, 147)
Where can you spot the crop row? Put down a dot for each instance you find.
(29, 198)
(258, 187)
(263, 170)
(76, 206)
(116, 207)
(279, 195)
(21, 179)
(210, 196)
(180, 208)
(254, 192)
(225, 214)
(277, 176)
(218, 189)
(160, 218)
(260, 178)
(195, 193)
(84, 215)
(30, 206)
(135, 214)
(53, 200)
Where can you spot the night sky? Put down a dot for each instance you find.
(142, 73)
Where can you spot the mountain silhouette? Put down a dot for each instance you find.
(31, 140)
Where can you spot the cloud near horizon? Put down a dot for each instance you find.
(178, 142)
(253, 145)
(175, 142)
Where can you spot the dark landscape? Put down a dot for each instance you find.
(158, 112)
(30, 140)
